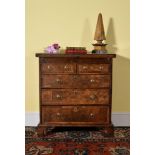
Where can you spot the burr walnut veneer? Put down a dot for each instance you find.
(75, 90)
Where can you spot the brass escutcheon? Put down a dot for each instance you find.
(75, 109)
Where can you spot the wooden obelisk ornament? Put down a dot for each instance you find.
(99, 47)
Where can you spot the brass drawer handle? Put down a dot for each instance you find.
(66, 67)
(59, 81)
(101, 67)
(58, 115)
(49, 67)
(58, 96)
(92, 115)
(92, 97)
(92, 80)
(84, 67)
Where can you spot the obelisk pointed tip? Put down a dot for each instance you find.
(100, 14)
(99, 33)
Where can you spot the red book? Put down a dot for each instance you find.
(76, 50)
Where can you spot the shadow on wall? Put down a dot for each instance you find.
(121, 73)
(110, 37)
(87, 37)
(121, 84)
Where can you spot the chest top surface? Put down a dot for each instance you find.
(45, 55)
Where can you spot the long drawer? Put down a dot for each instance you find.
(75, 81)
(92, 114)
(74, 96)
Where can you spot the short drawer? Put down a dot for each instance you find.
(75, 96)
(94, 68)
(94, 114)
(58, 68)
(75, 81)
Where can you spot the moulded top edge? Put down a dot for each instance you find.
(76, 55)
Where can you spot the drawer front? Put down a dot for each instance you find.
(75, 96)
(60, 68)
(57, 81)
(94, 68)
(75, 81)
(94, 114)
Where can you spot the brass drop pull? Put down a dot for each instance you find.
(75, 109)
(65, 67)
(58, 96)
(92, 115)
(92, 97)
(48, 67)
(58, 114)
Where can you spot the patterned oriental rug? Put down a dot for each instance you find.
(79, 141)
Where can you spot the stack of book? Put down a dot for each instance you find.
(76, 50)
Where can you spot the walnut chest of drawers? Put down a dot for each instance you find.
(75, 90)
